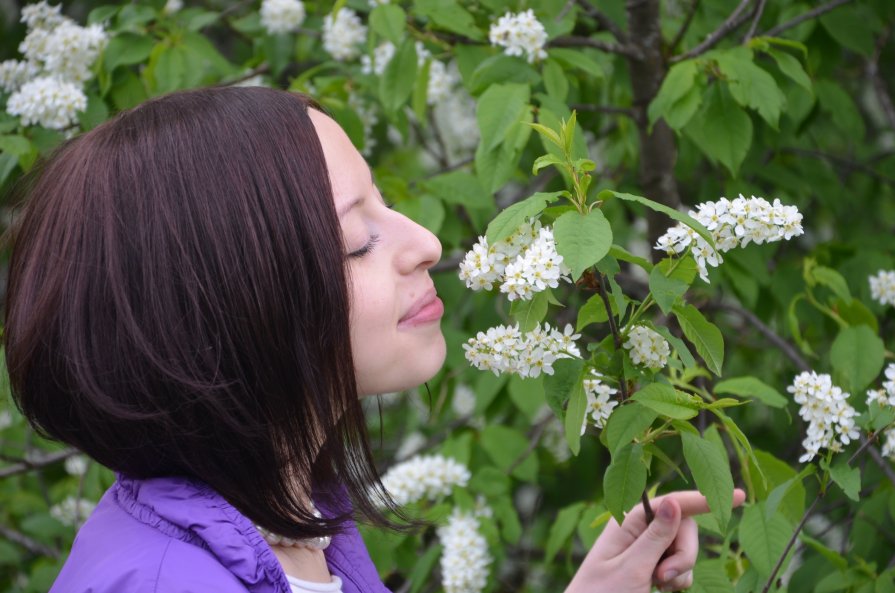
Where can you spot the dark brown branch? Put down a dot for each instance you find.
(612, 48)
(790, 544)
(262, 69)
(534, 439)
(788, 349)
(840, 161)
(610, 109)
(883, 464)
(879, 85)
(603, 20)
(754, 26)
(685, 26)
(613, 327)
(822, 9)
(26, 465)
(732, 22)
(35, 547)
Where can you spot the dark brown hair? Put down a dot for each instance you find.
(177, 305)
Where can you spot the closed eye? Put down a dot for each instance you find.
(374, 239)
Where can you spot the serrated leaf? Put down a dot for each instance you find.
(625, 423)
(667, 289)
(752, 387)
(389, 21)
(545, 161)
(562, 529)
(575, 58)
(791, 67)
(721, 130)
(857, 356)
(676, 84)
(558, 386)
(710, 467)
(670, 212)
(127, 48)
(624, 480)
(396, 84)
(703, 334)
(497, 112)
(848, 478)
(763, 538)
(528, 395)
(710, 576)
(582, 240)
(667, 401)
(510, 219)
(531, 312)
(750, 85)
(451, 16)
(831, 279)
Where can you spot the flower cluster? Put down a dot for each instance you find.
(599, 402)
(455, 120)
(524, 263)
(831, 420)
(172, 6)
(465, 559)
(882, 287)
(72, 511)
(424, 476)
(76, 465)
(282, 16)
(886, 395)
(343, 34)
(647, 348)
(732, 223)
(520, 34)
(505, 349)
(58, 55)
(441, 79)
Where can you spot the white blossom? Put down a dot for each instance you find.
(454, 116)
(885, 396)
(882, 287)
(41, 15)
(48, 102)
(647, 348)
(5, 419)
(465, 559)
(13, 74)
(523, 264)
(520, 34)
(282, 16)
(732, 223)
(343, 34)
(72, 511)
(599, 401)
(367, 115)
(67, 51)
(463, 402)
(825, 408)
(76, 465)
(424, 476)
(888, 449)
(382, 55)
(505, 349)
(172, 6)
(411, 445)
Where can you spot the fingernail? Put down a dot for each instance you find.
(666, 511)
(670, 574)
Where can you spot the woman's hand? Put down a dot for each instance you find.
(634, 557)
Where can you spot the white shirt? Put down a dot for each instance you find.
(300, 586)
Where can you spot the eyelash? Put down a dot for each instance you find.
(374, 239)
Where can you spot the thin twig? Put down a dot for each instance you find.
(883, 464)
(791, 543)
(262, 69)
(534, 439)
(35, 547)
(685, 26)
(610, 109)
(26, 465)
(754, 26)
(841, 161)
(822, 9)
(732, 22)
(612, 48)
(604, 21)
(879, 85)
(616, 334)
(788, 349)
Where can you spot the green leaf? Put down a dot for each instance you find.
(710, 576)
(582, 241)
(505, 446)
(852, 27)
(667, 286)
(562, 529)
(848, 478)
(530, 313)
(593, 311)
(527, 394)
(510, 219)
(490, 481)
(422, 570)
(667, 401)
(15, 145)
(763, 538)
(547, 159)
(710, 467)
(841, 107)
(670, 212)
(750, 85)
(425, 210)
(627, 422)
(389, 21)
(620, 253)
(702, 334)
(459, 187)
(498, 111)
(419, 98)
(555, 80)
(575, 58)
(752, 387)
(574, 420)
(676, 85)
(451, 16)
(831, 279)
(792, 67)
(624, 481)
(678, 346)
(558, 386)
(127, 48)
(857, 357)
(101, 14)
(721, 130)
(396, 83)
(168, 68)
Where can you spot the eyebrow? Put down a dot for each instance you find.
(346, 209)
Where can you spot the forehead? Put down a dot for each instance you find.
(349, 173)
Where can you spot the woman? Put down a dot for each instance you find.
(199, 291)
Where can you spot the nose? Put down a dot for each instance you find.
(419, 249)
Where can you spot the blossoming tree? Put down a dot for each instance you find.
(669, 232)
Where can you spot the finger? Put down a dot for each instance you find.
(692, 502)
(659, 535)
(679, 583)
(682, 553)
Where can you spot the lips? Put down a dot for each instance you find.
(425, 310)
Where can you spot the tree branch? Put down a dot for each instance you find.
(685, 26)
(732, 22)
(603, 20)
(28, 464)
(754, 26)
(879, 85)
(35, 547)
(822, 9)
(613, 48)
(841, 161)
(788, 349)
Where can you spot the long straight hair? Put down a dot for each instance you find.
(177, 305)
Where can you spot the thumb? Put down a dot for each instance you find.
(659, 534)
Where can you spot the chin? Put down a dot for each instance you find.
(409, 371)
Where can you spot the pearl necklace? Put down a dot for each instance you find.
(315, 543)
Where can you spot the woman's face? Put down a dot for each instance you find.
(396, 337)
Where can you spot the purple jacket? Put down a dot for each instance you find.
(176, 535)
